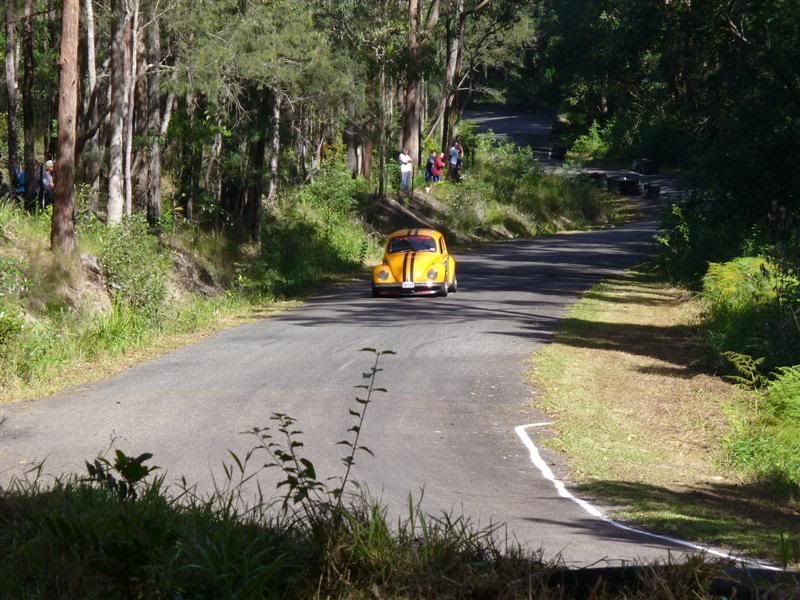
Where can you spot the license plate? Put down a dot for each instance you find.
(408, 285)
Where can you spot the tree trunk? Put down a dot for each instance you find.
(366, 163)
(132, 52)
(11, 87)
(410, 138)
(51, 139)
(27, 108)
(351, 143)
(117, 113)
(410, 133)
(155, 121)
(62, 233)
(274, 152)
(93, 171)
(255, 178)
(382, 136)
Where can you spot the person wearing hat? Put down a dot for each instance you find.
(47, 185)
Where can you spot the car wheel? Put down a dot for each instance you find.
(444, 290)
(454, 288)
(375, 292)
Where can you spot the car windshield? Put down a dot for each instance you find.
(412, 243)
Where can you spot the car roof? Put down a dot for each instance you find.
(415, 231)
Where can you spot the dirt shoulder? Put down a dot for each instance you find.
(642, 426)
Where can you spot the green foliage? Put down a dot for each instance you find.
(592, 145)
(766, 437)
(745, 312)
(123, 477)
(507, 188)
(748, 368)
(314, 232)
(11, 324)
(134, 266)
(783, 394)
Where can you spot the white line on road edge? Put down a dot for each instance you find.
(547, 473)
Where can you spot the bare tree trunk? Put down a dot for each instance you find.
(27, 107)
(62, 233)
(410, 134)
(274, 152)
(11, 87)
(351, 143)
(382, 136)
(91, 108)
(51, 140)
(410, 138)
(132, 50)
(154, 120)
(117, 116)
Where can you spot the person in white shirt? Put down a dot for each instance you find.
(405, 170)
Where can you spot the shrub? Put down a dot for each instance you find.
(783, 394)
(745, 312)
(594, 144)
(314, 232)
(134, 267)
(10, 324)
(766, 438)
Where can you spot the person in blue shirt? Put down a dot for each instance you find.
(454, 158)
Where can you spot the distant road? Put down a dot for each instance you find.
(457, 390)
(524, 128)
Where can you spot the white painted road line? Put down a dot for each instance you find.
(547, 473)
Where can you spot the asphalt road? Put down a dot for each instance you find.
(457, 389)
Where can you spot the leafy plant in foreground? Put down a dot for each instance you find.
(304, 489)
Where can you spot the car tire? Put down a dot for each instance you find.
(375, 292)
(444, 290)
(454, 289)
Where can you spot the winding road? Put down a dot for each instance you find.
(457, 391)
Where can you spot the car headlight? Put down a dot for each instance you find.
(432, 274)
(383, 275)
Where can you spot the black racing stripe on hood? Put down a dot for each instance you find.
(405, 264)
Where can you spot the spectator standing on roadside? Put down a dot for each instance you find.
(46, 184)
(429, 171)
(438, 167)
(454, 159)
(460, 147)
(405, 170)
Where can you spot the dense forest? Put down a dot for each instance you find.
(233, 101)
(204, 115)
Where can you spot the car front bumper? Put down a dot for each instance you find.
(419, 289)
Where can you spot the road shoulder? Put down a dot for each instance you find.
(642, 426)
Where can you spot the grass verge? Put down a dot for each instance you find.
(643, 427)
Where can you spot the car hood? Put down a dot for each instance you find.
(414, 266)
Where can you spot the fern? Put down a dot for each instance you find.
(749, 377)
(783, 393)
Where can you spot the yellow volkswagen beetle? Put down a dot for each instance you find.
(416, 262)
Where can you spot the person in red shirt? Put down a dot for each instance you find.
(438, 168)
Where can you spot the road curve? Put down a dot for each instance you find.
(457, 390)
